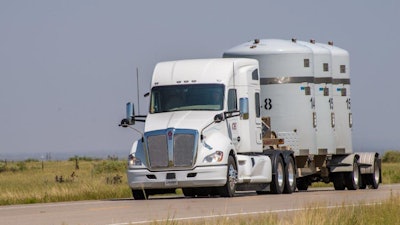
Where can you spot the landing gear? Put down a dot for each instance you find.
(302, 184)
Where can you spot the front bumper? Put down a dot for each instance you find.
(210, 176)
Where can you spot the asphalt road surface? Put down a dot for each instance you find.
(129, 211)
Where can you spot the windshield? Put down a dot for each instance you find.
(187, 97)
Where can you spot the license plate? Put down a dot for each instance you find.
(171, 182)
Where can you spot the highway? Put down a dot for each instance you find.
(129, 211)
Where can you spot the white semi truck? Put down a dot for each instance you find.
(270, 116)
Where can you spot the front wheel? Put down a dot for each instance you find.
(228, 190)
(139, 194)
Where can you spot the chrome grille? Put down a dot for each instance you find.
(183, 149)
(171, 148)
(158, 151)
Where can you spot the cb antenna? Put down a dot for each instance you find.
(137, 88)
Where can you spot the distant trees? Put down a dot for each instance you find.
(391, 157)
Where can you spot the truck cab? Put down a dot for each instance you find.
(203, 132)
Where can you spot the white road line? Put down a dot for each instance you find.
(245, 213)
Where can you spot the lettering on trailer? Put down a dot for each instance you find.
(331, 103)
(348, 101)
(312, 101)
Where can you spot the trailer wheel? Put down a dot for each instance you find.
(363, 181)
(278, 177)
(228, 190)
(376, 176)
(352, 179)
(139, 194)
(338, 181)
(290, 177)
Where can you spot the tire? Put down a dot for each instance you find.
(203, 192)
(376, 176)
(139, 194)
(363, 182)
(290, 177)
(338, 181)
(352, 179)
(278, 177)
(228, 190)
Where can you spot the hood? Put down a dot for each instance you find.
(195, 120)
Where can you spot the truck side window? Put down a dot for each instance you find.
(254, 75)
(258, 108)
(232, 100)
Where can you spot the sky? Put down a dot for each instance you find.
(67, 68)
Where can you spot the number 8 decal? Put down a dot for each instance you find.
(268, 104)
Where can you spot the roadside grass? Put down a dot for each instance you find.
(391, 173)
(387, 212)
(55, 181)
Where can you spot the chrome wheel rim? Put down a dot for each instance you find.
(232, 176)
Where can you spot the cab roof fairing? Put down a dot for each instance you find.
(218, 70)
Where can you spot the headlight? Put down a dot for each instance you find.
(215, 157)
(133, 161)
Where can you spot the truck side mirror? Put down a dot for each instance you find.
(130, 115)
(244, 108)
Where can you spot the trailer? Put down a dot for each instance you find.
(262, 118)
(305, 88)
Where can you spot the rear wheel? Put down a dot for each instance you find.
(278, 178)
(228, 190)
(352, 179)
(363, 181)
(290, 177)
(376, 176)
(338, 181)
